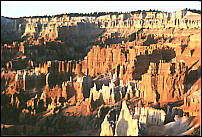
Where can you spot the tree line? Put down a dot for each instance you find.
(97, 14)
(193, 10)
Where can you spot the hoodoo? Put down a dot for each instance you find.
(109, 74)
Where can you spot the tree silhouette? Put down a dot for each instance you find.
(192, 10)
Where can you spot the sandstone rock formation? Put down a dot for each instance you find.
(106, 129)
(126, 126)
(64, 70)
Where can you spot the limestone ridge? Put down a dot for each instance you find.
(49, 27)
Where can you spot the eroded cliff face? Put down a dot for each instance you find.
(74, 35)
(12, 29)
(50, 27)
(69, 69)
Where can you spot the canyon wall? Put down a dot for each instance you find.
(73, 66)
(52, 28)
